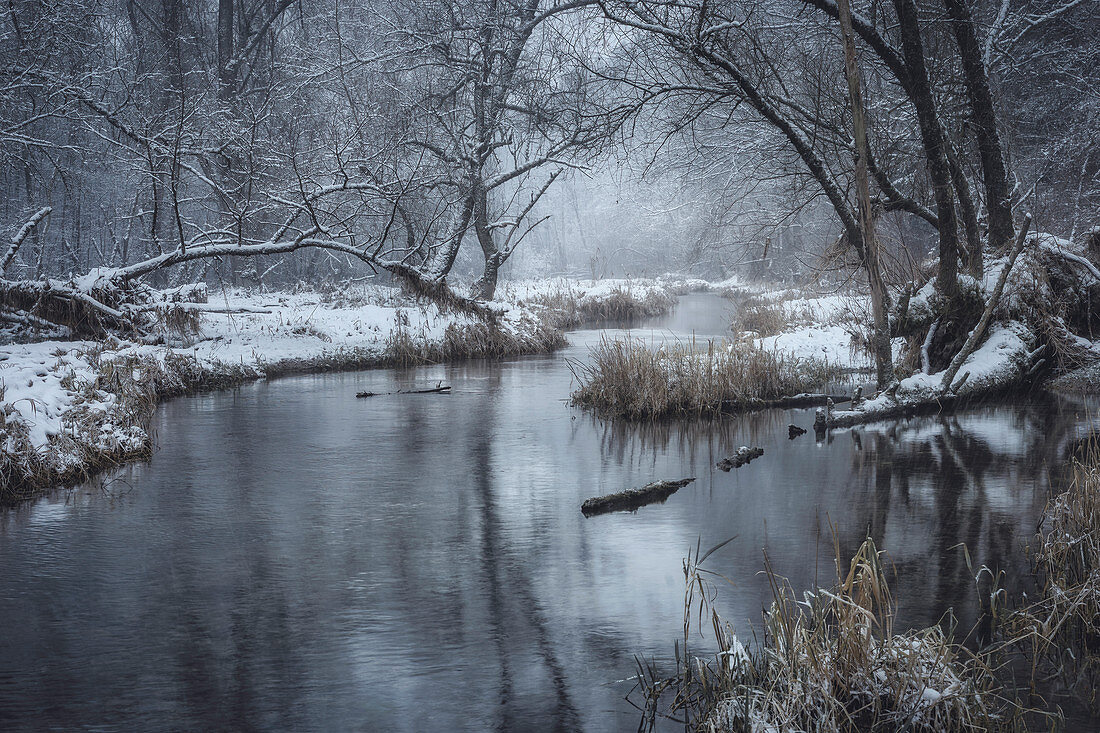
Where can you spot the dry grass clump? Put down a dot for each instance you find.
(177, 319)
(569, 309)
(761, 317)
(627, 379)
(1062, 627)
(833, 663)
(473, 340)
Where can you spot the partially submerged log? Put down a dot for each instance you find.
(743, 455)
(632, 499)
(792, 402)
(793, 431)
(439, 388)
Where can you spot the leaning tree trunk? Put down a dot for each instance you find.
(994, 172)
(932, 138)
(884, 366)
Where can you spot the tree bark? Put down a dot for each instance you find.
(994, 172)
(974, 260)
(486, 286)
(884, 366)
(932, 137)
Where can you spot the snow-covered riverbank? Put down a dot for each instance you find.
(71, 408)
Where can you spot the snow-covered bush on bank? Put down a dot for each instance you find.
(1043, 323)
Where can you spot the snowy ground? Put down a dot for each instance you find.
(68, 407)
(59, 414)
(825, 327)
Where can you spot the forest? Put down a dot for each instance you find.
(705, 219)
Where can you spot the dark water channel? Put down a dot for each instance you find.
(295, 559)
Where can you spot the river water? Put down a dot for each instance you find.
(293, 558)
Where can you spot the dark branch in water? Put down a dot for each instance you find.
(631, 499)
(439, 388)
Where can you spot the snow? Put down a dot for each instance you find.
(821, 327)
(31, 377)
(827, 343)
(57, 413)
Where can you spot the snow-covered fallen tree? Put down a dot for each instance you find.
(1027, 317)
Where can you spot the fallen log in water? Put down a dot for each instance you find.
(438, 389)
(792, 402)
(631, 499)
(793, 431)
(743, 455)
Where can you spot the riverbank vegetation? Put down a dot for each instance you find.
(571, 303)
(626, 378)
(835, 660)
(828, 663)
(1058, 628)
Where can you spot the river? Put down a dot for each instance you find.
(292, 558)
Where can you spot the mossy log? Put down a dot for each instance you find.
(631, 499)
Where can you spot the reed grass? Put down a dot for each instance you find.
(832, 662)
(1059, 630)
(474, 340)
(624, 378)
(566, 308)
(761, 317)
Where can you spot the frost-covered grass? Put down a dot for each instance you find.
(570, 303)
(71, 408)
(625, 378)
(833, 327)
(1060, 627)
(833, 662)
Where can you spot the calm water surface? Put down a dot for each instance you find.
(295, 559)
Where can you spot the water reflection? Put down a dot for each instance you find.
(293, 558)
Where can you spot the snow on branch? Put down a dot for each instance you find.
(22, 234)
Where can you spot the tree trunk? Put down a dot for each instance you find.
(486, 286)
(884, 362)
(225, 48)
(994, 172)
(932, 138)
(444, 258)
(974, 260)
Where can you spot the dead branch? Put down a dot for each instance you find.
(439, 388)
(994, 298)
(24, 231)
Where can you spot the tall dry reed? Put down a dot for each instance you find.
(625, 378)
(832, 662)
